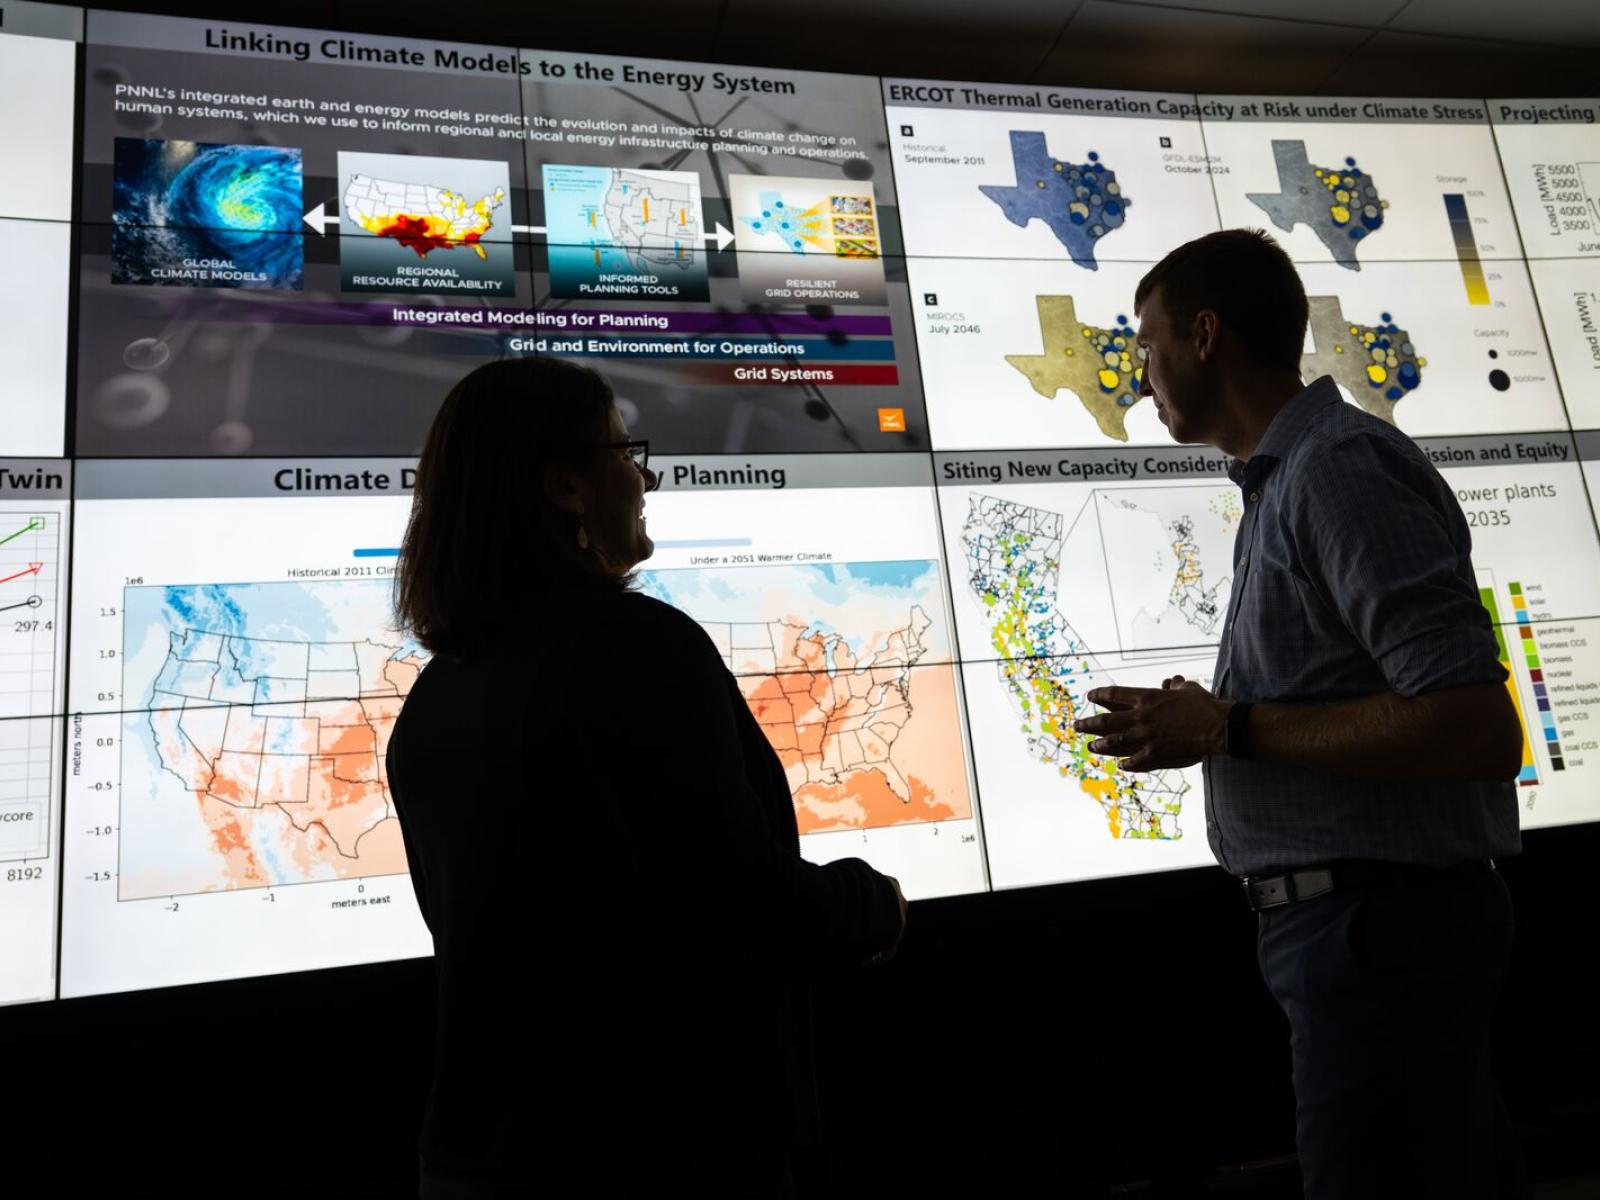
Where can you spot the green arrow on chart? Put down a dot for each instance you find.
(35, 523)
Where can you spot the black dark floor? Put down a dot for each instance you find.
(1099, 1040)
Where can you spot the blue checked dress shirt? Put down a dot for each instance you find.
(1352, 575)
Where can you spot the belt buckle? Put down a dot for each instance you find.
(1264, 883)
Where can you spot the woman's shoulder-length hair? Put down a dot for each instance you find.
(483, 546)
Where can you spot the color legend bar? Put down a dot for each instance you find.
(702, 543)
(1530, 647)
(1529, 775)
(1455, 206)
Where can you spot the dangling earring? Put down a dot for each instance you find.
(583, 536)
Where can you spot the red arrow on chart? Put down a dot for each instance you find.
(33, 569)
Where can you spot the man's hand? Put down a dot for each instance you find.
(1175, 725)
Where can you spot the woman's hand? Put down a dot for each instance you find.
(883, 956)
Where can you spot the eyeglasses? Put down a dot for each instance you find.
(638, 452)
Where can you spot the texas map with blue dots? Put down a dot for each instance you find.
(1080, 202)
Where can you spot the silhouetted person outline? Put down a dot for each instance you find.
(1357, 742)
(600, 837)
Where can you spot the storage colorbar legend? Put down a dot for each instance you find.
(1455, 206)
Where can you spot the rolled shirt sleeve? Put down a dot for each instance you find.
(1383, 540)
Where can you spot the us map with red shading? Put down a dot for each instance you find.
(419, 216)
(847, 669)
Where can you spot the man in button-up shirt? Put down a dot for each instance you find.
(1359, 743)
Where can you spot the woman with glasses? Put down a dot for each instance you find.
(600, 837)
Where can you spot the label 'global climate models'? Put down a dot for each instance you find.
(489, 204)
(274, 233)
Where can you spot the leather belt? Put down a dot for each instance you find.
(1290, 887)
(1274, 891)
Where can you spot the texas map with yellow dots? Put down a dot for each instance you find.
(1341, 205)
(1377, 364)
(1103, 368)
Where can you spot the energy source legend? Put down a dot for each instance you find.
(1528, 776)
(1530, 649)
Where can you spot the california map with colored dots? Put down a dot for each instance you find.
(1104, 368)
(1013, 554)
(1377, 364)
(1340, 204)
(1080, 202)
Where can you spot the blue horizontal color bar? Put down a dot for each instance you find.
(700, 543)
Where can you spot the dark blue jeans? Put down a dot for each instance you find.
(1389, 985)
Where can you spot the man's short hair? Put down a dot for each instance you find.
(1244, 277)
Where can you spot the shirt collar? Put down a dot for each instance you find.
(1285, 431)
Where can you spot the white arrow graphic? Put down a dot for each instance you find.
(722, 235)
(319, 220)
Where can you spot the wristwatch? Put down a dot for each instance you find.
(1236, 732)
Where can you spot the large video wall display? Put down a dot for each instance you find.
(38, 64)
(385, 214)
(880, 335)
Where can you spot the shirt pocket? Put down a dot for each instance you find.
(1272, 649)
